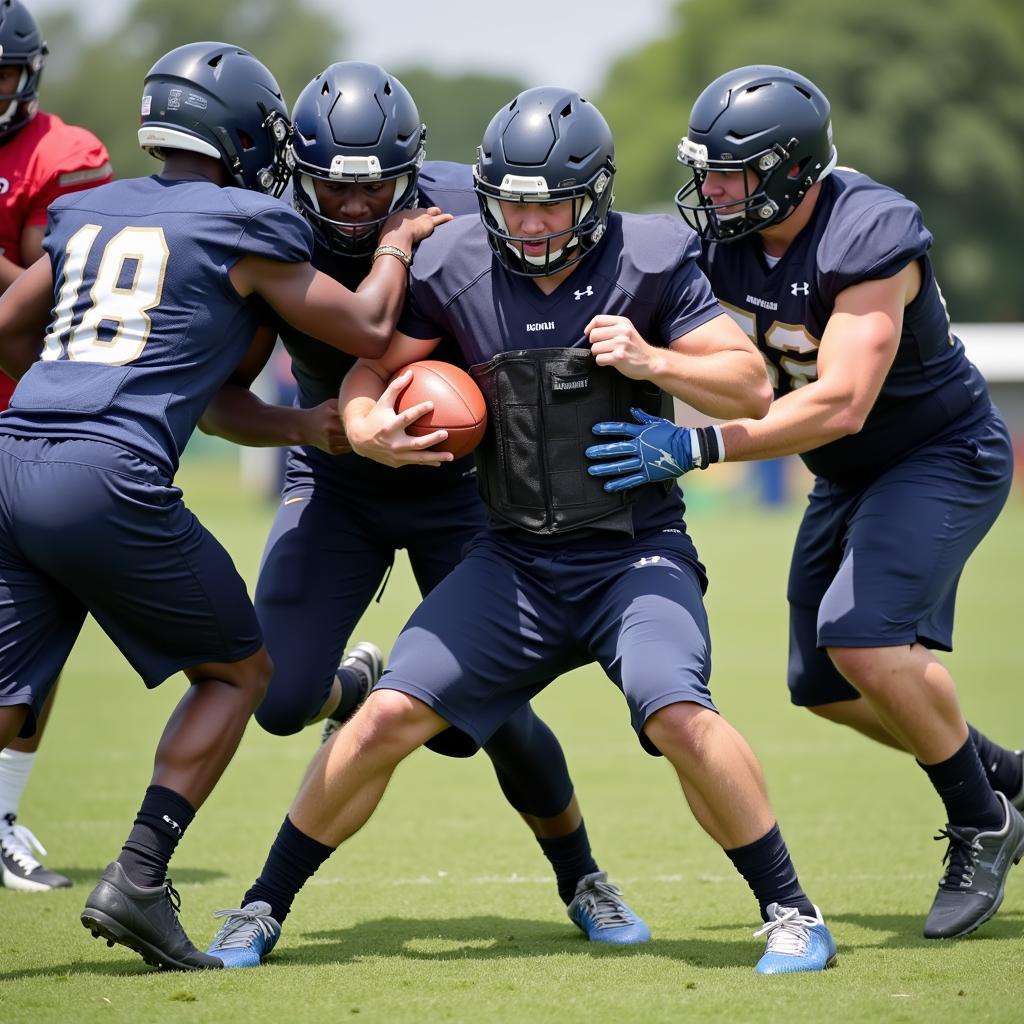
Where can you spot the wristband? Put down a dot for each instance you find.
(706, 446)
(392, 250)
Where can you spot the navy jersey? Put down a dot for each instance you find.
(645, 269)
(147, 325)
(860, 231)
(319, 369)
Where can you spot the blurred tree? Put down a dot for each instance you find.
(456, 109)
(925, 97)
(97, 82)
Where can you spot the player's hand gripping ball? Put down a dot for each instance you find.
(459, 405)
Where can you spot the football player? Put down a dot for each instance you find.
(152, 284)
(828, 272)
(41, 158)
(566, 313)
(358, 155)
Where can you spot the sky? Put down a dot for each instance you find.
(571, 45)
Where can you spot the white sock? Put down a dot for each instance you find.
(15, 768)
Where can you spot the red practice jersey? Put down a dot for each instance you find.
(41, 161)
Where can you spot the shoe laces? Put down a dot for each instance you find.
(789, 932)
(241, 929)
(604, 903)
(961, 857)
(19, 842)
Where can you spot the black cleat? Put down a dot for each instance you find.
(144, 919)
(976, 867)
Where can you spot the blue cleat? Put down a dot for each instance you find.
(796, 942)
(246, 937)
(600, 912)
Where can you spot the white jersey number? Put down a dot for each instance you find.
(129, 283)
(793, 340)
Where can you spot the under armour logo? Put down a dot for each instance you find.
(801, 289)
(589, 290)
(653, 560)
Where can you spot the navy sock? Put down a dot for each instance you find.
(160, 823)
(571, 858)
(292, 861)
(768, 870)
(1003, 768)
(352, 694)
(965, 790)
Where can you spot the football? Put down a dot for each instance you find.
(459, 405)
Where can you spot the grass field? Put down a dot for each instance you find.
(443, 909)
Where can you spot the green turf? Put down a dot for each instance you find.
(443, 909)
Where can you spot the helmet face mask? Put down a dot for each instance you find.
(767, 123)
(547, 146)
(354, 123)
(22, 47)
(220, 101)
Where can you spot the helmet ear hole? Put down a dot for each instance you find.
(760, 118)
(232, 111)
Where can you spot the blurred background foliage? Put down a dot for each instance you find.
(926, 97)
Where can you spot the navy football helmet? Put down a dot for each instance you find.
(546, 146)
(218, 100)
(766, 119)
(356, 123)
(21, 45)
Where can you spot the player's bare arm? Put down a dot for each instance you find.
(12, 264)
(238, 414)
(358, 322)
(373, 427)
(714, 368)
(24, 313)
(856, 352)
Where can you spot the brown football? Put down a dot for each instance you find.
(459, 405)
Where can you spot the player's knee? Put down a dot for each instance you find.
(288, 705)
(860, 667)
(394, 721)
(252, 675)
(680, 730)
(280, 721)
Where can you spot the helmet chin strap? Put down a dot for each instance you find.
(14, 102)
(401, 184)
(494, 206)
(307, 186)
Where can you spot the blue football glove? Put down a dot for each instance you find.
(657, 450)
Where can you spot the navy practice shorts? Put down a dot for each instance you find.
(878, 566)
(329, 549)
(89, 527)
(514, 615)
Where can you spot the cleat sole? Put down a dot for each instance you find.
(105, 927)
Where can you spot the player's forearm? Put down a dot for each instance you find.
(801, 421)
(726, 385)
(9, 271)
(238, 415)
(360, 389)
